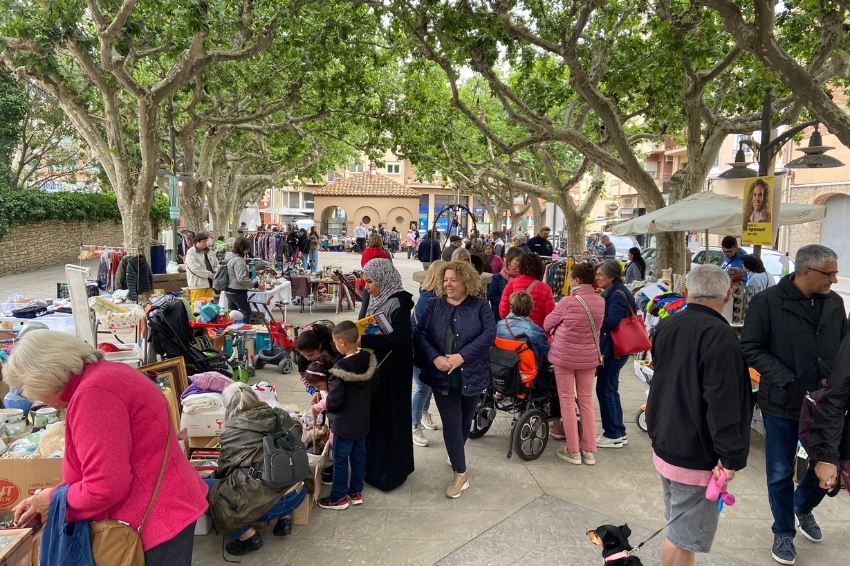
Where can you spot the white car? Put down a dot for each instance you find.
(772, 259)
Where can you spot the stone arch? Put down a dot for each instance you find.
(333, 221)
(364, 211)
(399, 212)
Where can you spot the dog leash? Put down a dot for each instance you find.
(658, 532)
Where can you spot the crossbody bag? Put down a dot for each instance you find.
(592, 327)
(116, 543)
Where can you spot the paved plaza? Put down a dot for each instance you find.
(514, 512)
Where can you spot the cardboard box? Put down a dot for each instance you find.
(301, 516)
(203, 424)
(203, 526)
(16, 547)
(20, 478)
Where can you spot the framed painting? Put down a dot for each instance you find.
(172, 379)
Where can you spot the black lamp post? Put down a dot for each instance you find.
(769, 148)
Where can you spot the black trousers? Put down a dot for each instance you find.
(239, 300)
(174, 552)
(456, 411)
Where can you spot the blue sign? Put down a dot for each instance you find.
(174, 212)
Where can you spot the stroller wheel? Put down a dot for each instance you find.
(485, 413)
(241, 374)
(259, 363)
(285, 365)
(531, 435)
(640, 420)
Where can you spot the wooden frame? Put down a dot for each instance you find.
(173, 380)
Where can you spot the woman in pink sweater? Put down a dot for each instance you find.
(115, 434)
(575, 356)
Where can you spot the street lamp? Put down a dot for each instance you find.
(769, 148)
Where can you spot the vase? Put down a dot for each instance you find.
(13, 400)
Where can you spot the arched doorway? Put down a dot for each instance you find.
(834, 229)
(333, 221)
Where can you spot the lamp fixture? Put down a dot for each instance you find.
(815, 155)
(739, 168)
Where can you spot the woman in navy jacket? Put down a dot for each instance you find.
(609, 276)
(452, 341)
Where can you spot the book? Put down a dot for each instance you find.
(377, 323)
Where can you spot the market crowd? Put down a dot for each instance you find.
(376, 391)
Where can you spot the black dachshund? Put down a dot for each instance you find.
(615, 545)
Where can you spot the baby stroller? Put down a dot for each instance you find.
(519, 387)
(169, 335)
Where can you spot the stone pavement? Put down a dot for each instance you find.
(523, 512)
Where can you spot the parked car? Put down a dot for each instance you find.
(622, 243)
(772, 259)
(648, 256)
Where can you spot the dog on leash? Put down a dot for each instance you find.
(615, 545)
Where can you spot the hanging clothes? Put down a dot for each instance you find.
(139, 277)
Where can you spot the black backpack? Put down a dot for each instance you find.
(285, 461)
(504, 370)
(221, 279)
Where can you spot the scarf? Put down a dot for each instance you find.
(509, 274)
(388, 280)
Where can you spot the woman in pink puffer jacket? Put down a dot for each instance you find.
(575, 356)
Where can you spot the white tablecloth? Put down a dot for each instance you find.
(281, 293)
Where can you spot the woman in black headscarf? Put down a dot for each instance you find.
(389, 446)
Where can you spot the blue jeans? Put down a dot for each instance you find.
(780, 449)
(314, 260)
(421, 400)
(608, 393)
(305, 259)
(347, 451)
(284, 507)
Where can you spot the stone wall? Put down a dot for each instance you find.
(810, 233)
(36, 245)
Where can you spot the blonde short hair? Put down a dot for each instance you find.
(467, 276)
(375, 240)
(44, 361)
(434, 276)
(236, 397)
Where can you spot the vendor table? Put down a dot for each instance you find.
(333, 289)
(280, 294)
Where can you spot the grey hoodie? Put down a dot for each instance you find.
(237, 269)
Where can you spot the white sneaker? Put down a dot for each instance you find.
(427, 422)
(419, 438)
(624, 439)
(605, 442)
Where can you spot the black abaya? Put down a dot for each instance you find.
(389, 446)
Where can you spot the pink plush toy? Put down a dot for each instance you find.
(716, 491)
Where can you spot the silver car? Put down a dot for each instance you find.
(772, 259)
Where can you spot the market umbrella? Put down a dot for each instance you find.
(282, 211)
(711, 212)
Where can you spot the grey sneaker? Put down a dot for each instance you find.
(427, 422)
(419, 438)
(625, 440)
(809, 527)
(605, 442)
(783, 549)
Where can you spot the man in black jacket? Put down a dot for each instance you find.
(791, 337)
(540, 243)
(698, 412)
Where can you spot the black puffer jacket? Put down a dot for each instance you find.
(350, 395)
(830, 436)
(139, 276)
(790, 345)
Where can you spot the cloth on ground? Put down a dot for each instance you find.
(202, 402)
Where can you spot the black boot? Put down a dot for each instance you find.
(328, 475)
(241, 547)
(283, 527)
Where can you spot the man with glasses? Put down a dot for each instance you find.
(540, 244)
(733, 254)
(791, 336)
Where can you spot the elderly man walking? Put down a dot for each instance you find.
(698, 412)
(791, 337)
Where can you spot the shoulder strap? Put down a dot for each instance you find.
(530, 287)
(628, 303)
(511, 332)
(161, 472)
(592, 326)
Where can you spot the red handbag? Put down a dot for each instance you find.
(630, 335)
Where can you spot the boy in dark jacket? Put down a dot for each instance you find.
(348, 407)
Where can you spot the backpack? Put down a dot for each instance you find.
(807, 418)
(511, 365)
(221, 279)
(285, 461)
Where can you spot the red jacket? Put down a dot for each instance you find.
(371, 253)
(114, 444)
(540, 293)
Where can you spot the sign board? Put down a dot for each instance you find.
(758, 213)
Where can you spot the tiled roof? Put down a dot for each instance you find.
(363, 185)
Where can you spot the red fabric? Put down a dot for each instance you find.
(108, 347)
(573, 345)
(114, 444)
(541, 294)
(370, 254)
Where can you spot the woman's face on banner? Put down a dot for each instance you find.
(758, 197)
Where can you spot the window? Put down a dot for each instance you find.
(308, 200)
(399, 220)
(393, 168)
(331, 176)
(292, 200)
(355, 168)
(366, 219)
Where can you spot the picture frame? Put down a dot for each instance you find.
(173, 380)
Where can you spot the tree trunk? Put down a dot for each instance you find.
(539, 216)
(672, 253)
(135, 218)
(575, 226)
(192, 208)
